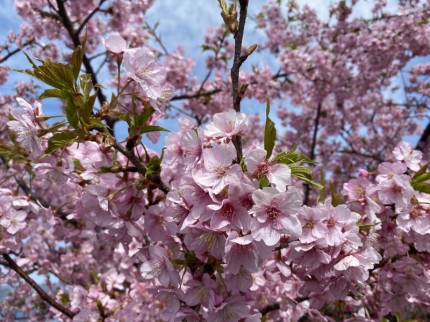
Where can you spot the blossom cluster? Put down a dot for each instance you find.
(220, 226)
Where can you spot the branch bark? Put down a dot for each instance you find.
(237, 63)
(154, 178)
(313, 147)
(45, 296)
(74, 35)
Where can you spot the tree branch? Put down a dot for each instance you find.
(313, 146)
(33, 196)
(237, 63)
(83, 24)
(154, 178)
(195, 95)
(15, 51)
(110, 122)
(45, 296)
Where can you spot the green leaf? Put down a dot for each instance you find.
(78, 165)
(86, 84)
(305, 174)
(264, 182)
(64, 298)
(299, 169)
(94, 122)
(60, 140)
(143, 117)
(293, 157)
(321, 196)
(72, 113)
(420, 180)
(153, 128)
(336, 198)
(421, 171)
(421, 186)
(87, 108)
(76, 60)
(421, 174)
(154, 165)
(6, 150)
(243, 165)
(56, 127)
(53, 92)
(269, 132)
(57, 75)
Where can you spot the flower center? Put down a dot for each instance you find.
(142, 72)
(262, 169)
(331, 222)
(396, 188)
(309, 224)
(228, 211)
(273, 212)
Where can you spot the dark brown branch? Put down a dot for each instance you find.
(422, 144)
(88, 68)
(45, 296)
(313, 147)
(154, 178)
(237, 63)
(15, 51)
(33, 196)
(195, 95)
(238, 59)
(84, 23)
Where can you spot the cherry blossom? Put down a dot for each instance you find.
(275, 214)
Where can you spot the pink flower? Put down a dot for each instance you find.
(114, 280)
(201, 293)
(228, 215)
(203, 241)
(232, 309)
(275, 214)
(13, 220)
(278, 174)
(242, 252)
(337, 220)
(227, 125)
(395, 190)
(218, 171)
(417, 217)
(26, 127)
(312, 225)
(412, 158)
(115, 44)
(159, 267)
(134, 247)
(142, 66)
(192, 147)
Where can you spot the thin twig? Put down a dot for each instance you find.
(153, 33)
(195, 95)
(154, 178)
(84, 23)
(15, 51)
(45, 296)
(313, 146)
(33, 196)
(62, 13)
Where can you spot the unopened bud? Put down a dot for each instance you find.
(242, 89)
(250, 50)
